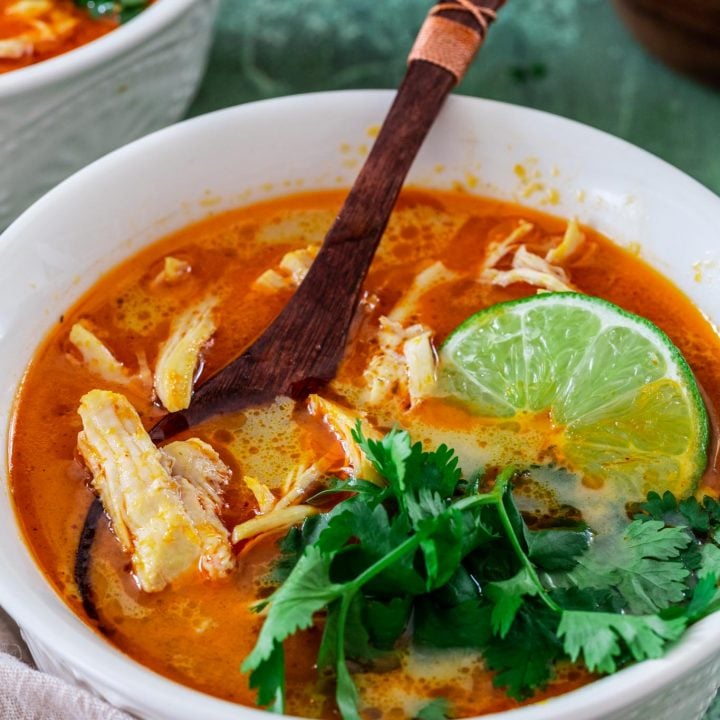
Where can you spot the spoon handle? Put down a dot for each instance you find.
(302, 348)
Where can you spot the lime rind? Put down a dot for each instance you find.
(612, 379)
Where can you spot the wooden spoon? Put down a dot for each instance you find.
(302, 348)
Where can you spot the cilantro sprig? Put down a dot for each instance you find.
(432, 559)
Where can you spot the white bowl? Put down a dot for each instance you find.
(166, 180)
(60, 114)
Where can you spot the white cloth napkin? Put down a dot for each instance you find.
(28, 694)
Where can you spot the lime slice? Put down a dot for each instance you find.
(620, 401)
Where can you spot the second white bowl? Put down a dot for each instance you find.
(60, 114)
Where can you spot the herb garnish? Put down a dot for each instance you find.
(120, 10)
(432, 559)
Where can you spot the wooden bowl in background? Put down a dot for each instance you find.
(683, 33)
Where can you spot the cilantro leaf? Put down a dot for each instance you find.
(705, 599)
(386, 620)
(559, 549)
(686, 513)
(642, 564)
(508, 597)
(437, 709)
(435, 471)
(442, 550)
(523, 659)
(388, 455)
(601, 638)
(465, 625)
(710, 561)
(269, 680)
(307, 590)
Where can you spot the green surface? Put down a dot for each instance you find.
(570, 57)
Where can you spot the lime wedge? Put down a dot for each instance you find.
(620, 401)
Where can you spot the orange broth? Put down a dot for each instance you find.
(65, 27)
(198, 632)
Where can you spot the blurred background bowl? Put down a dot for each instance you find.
(683, 33)
(60, 114)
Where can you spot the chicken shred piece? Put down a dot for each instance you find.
(163, 503)
(291, 270)
(433, 275)
(278, 519)
(526, 260)
(29, 9)
(15, 48)
(497, 251)
(271, 280)
(263, 495)
(180, 355)
(573, 238)
(46, 23)
(200, 463)
(421, 366)
(342, 422)
(101, 362)
(386, 375)
(174, 271)
(538, 279)
(527, 267)
(278, 514)
(298, 483)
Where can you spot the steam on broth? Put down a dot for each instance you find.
(180, 310)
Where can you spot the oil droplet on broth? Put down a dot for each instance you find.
(420, 676)
(265, 441)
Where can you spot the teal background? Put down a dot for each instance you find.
(569, 57)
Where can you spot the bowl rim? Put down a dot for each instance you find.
(96, 52)
(622, 690)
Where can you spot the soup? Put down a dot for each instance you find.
(215, 286)
(34, 30)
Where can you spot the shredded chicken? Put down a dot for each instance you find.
(497, 251)
(421, 366)
(391, 371)
(538, 279)
(291, 270)
(302, 480)
(163, 503)
(528, 267)
(276, 520)
(387, 373)
(15, 48)
(573, 238)
(425, 280)
(342, 422)
(263, 495)
(101, 362)
(174, 271)
(42, 22)
(180, 355)
(276, 514)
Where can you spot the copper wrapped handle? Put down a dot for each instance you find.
(453, 33)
